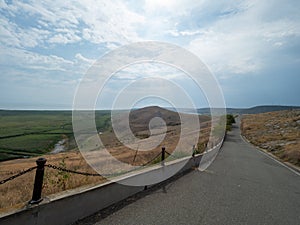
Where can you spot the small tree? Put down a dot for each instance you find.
(229, 121)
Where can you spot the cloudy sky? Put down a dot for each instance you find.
(252, 47)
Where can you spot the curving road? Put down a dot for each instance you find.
(242, 186)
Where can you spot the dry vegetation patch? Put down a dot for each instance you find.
(277, 132)
(16, 193)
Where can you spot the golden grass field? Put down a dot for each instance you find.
(276, 132)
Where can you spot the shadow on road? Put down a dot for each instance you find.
(164, 186)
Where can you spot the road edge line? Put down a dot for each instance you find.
(271, 156)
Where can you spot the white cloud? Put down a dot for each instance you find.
(60, 22)
(154, 5)
(47, 24)
(179, 7)
(81, 58)
(82, 63)
(65, 38)
(39, 39)
(110, 22)
(228, 53)
(241, 43)
(29, 60)
(177, 33)
(7, 33)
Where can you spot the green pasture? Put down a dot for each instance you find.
(32, 133)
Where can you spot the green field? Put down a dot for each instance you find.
(32, 133)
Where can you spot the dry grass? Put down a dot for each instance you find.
(277, 132)
(16, 193)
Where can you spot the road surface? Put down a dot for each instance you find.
(242, 186)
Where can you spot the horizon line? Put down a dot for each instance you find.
(167, 107)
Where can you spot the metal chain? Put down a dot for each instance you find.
(17, 175)
(72, 171)
(96, 174)
(84, 173)
(147, 163)
(172, 155)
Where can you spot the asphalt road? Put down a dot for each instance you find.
(242, 186)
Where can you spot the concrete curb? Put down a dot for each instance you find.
(288, 165)
(70, 206)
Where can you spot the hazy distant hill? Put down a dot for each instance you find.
(252, 110)
(261, 109)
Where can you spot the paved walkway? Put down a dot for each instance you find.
(242, 186)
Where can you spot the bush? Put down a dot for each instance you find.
(229, 121)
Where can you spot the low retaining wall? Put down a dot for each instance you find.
(79, 203)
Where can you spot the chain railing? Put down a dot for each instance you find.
(173, 156)
(17, 175)
(71, 171)
(41, 164)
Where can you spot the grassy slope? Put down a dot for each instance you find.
(277, 132)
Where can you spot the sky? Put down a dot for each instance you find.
(251, 47)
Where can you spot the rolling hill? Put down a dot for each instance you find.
(252, 110)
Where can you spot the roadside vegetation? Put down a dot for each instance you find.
(276, 132)
(16, 193)
(229, 121)
(226, 122)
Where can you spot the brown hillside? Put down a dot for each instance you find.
(140, 118)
